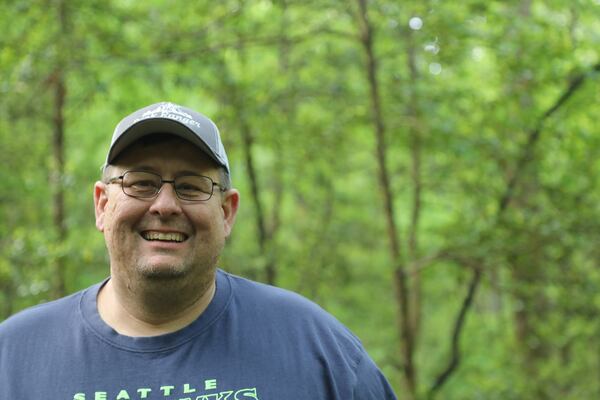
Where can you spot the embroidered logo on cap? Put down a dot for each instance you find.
(171, 111)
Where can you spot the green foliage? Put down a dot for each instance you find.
(291, 76)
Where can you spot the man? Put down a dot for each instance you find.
(167, 324)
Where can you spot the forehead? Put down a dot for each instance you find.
(164, 152)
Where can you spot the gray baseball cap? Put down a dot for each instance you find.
(173, 119)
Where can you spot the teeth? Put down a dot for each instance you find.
(168, 237)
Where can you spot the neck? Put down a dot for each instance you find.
(154, 308)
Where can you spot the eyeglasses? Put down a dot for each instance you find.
(146, 185)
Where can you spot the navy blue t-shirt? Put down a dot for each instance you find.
(253, 342)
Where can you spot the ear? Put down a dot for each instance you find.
(100, 201)
(230, 204)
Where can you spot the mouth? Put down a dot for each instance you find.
(173, 237)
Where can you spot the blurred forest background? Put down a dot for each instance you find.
(428, 171)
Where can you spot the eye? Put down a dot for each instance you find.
(144, 184)
(140, 183)
(193, 185)
(187, 187)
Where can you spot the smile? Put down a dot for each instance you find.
(164, 236)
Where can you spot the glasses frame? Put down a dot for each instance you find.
(120, 178)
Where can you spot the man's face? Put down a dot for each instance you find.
(164, 238)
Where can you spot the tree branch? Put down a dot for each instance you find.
(534, 135)
(211, 48)
(458, 327)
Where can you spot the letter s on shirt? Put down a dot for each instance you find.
(245, 394)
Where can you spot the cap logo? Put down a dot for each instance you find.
(170, 111)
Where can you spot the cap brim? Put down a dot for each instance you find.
(157, 125)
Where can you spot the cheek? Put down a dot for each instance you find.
(118, 218)
(214, 221)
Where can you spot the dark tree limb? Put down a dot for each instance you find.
(455, 354)
(534, 135)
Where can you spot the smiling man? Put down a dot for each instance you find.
(167, 323)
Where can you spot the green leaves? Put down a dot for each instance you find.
(292, 75)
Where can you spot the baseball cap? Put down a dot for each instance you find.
(169, 118)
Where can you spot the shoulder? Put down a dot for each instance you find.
(275, 299)
(261, 292)
(289, 311)
(40, 318)
(303, 331)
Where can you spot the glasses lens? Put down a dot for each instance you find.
(141, 184)
(194, 187)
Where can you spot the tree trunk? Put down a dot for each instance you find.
(248, 143)
(255, 190)
(400, 280)
(58, 149)
(415, 136)
(8, 295)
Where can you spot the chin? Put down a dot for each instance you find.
(162, 271)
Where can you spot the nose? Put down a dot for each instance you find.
(166, 202)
